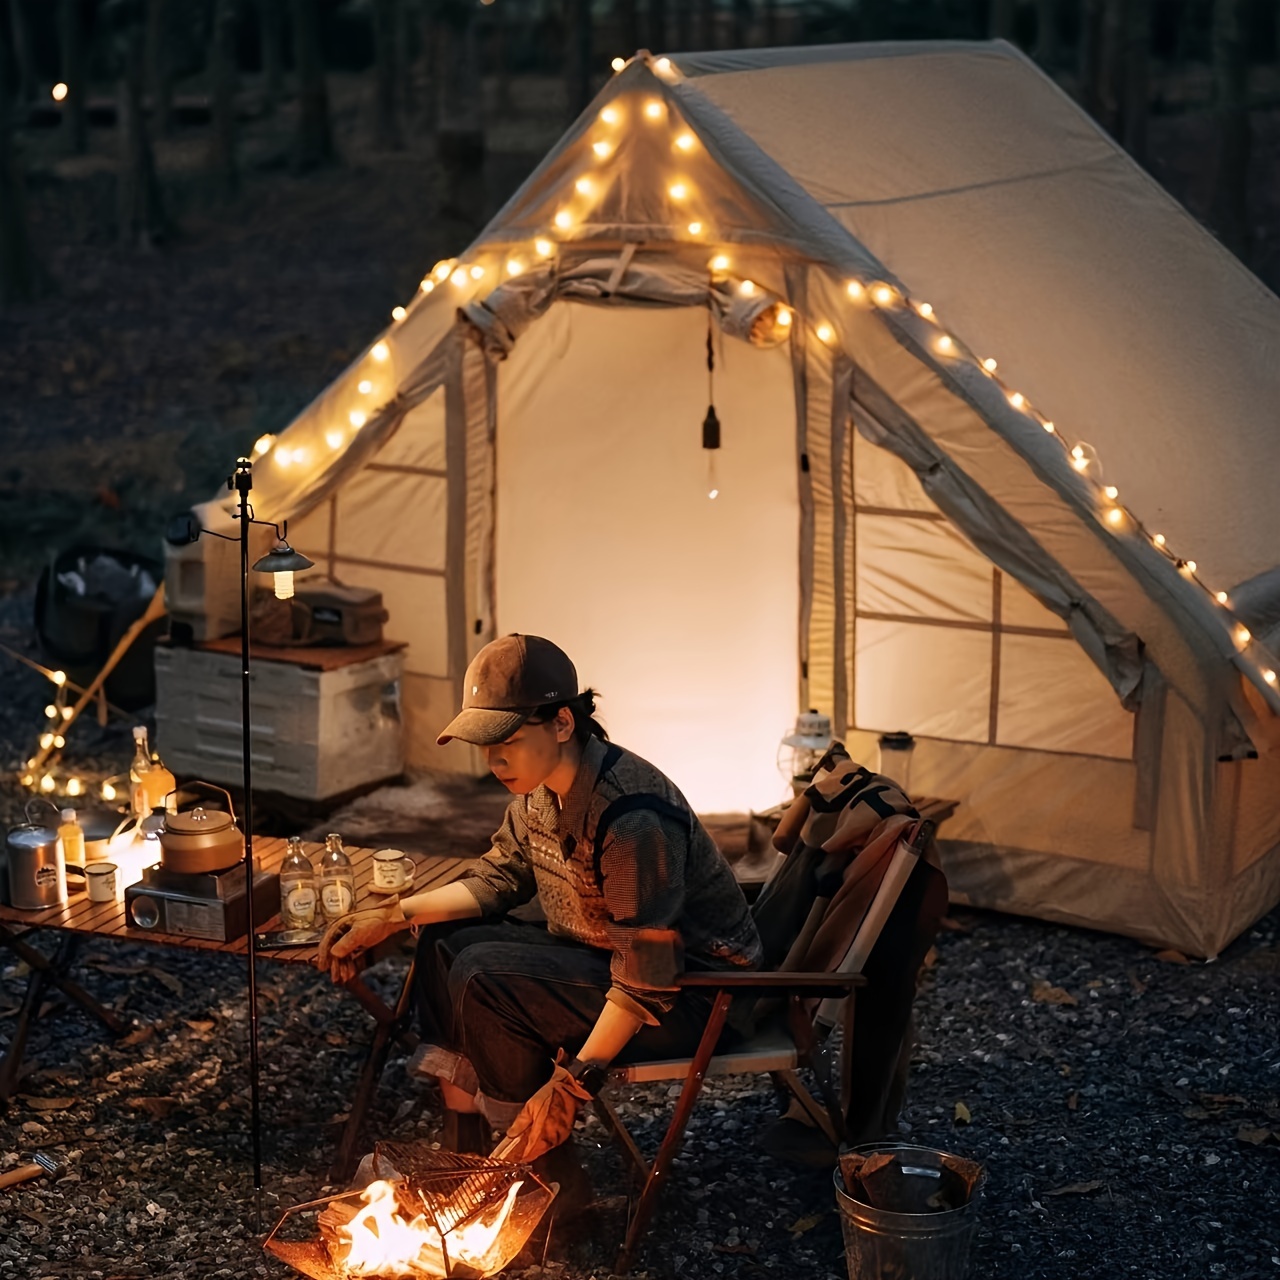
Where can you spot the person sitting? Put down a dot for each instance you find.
(520, 1020)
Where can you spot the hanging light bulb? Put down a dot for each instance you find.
(543, 248)
(945, 344)
(477, 272)
(584, 186)
(989, 364)
(882, 294)
(357, 418)
(825, 333)
(610, 115)
(1222, 598)
(108, 792)
(333, 438)
(364, 386)
(514, 267)
(1158, 539)
(695, 228)
(720, 262)
(678, 191)
(380, 351)
(261, 445)
(563, 220)
(59, 92)
(685, 142)
(653, 109)
(283, 562)
(618, 63)
(459, 277)
(1243, 635)
(601, 149)
(398, 314)
(74, 787)
(925, 309)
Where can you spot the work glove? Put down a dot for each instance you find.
(355, 932)
(546, 1120)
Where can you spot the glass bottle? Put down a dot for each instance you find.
(71, 835)
(297, 888)
(139, 767)
(337, 879)
(159, 783)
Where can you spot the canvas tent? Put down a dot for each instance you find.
(996, 557)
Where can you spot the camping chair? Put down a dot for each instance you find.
(785, 1040)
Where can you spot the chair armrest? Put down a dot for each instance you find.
(752, 980)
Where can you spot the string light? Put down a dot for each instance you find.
(855, 290)
(59, 92)
(108, 791)
(357, 418)
(333, 438)
(477, 272)
(685, 142)
(283, 455)
(398, 314)
(990, 365)
(1017, 399)
(67, 713)
(784, 317)
(882, 295)
(442, 269)
(610, 115)
(677, 191)
(1269, 676)
(1078, 460)
(1049, 427)
(663, 66)
(1188, 566)
(1243, 635)
(459, 277)
(514, 267)
(925, 309)
(825, 333)
(261, 445)
(46, 741)
(653, 109)
(1112, 492)
(47, 783)
(51, 711)
(1158, 539)
(543, 248)
(602, 150)
(584, 186)
(1222, 598)
(427, 285)
(720, 263)
(364, 386)
(73, 786)
(945, 344)
(695, 228)
(618, 63)
(1115, 516)
(380, 351)
(563, 219)
(747, 288)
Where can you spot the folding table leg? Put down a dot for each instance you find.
(675, 1131)
(609, 1117)
(41, 976)
(56, 971)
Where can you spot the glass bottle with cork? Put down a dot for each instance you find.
(337, 879)
(297, 888)
(151, 784)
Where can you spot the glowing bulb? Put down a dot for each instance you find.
(357, 418)
(946, 345)
(514, 266)
(685, 142)
(59, 678)
(477, 272)
(989, 364)
(108, 791)
(364, 386)
(720, 263)
(46, 741)
(662, 66)
(695, 228)
(784, 317)
(47, 783)
(1049, 427)
(1189, 566)
(59, 741)
(27, 780)
(563, 219)
(459, 277)
(1080, 464)
(855, 290)
(1077, 452)
(427, 285)
(67, 713)
(262, 444)
(543, 248)
(584, 186)
(747, 288)
(1115, 516)
(610, 115)
(73, 787)
(618, 63)
(1017, 399)
(602, 149)
(1158, 539)
(59, 92)
(380, 351)
(1112, 492)
(1243, 635)
(825, 333)
(925, 309)
(653, 109)
(1269, 676)
(1222, 598)
(882, 294)
(333, 438)
(284, 584)
(51, 711)
(442, 269)
(713, 494)
(398, 314)
(283, 455)
(677, 191)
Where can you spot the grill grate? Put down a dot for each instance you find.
(451, 1188)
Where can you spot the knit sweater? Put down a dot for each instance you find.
(624, 856)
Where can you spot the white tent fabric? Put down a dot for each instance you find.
(1018, 562)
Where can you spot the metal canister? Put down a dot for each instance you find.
(37, 873)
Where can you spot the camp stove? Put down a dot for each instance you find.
(434, 1214)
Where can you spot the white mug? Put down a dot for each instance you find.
(100, 877)
(392, 870)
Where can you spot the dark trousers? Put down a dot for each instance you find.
(506, 994)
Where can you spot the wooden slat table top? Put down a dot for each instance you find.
(314, 657)
(107, 919)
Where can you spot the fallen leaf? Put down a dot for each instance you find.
(807, 1223)
(139, 1035)
(42, 1218)
(158, 1108)
(962, 1114)
(33, 1126)
(1197, 1113)
(333, 1038)
(953, 925)
(200, 1026)
(1139, 987)
(1170, 956)
(123, 970)
(167, 979)
(49, 1104)
(1076, 1189)
(1047, 993)
(1255, 1136)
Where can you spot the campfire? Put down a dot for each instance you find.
(426, 1214)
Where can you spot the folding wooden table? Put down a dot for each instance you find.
(81, 919)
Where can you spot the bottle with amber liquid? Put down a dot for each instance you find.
(297, 888)
(337, 879)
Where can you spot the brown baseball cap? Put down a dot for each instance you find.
(507, 681)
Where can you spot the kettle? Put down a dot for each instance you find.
(35, 869)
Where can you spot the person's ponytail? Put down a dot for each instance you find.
(585, 724)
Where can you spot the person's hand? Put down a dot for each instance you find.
(547, 1118)
(355, 932)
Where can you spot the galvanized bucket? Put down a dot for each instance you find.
(929, 1245)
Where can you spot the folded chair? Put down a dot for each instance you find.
(807, 903)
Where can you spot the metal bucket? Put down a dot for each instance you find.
(929, 1245)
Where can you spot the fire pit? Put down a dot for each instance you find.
(430, 1214)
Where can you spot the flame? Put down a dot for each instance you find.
(381, 1242)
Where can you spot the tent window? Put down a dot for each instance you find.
(947, 646)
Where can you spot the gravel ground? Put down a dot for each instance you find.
(1125, 1106)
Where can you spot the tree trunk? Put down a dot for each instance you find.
(1229, 210)
(1136, 78)
(706, 24)
(1000, 19)
(141, 219)
(19, 275)
(313, 144)
(75, 108)
(577, 55)
(159, 64)
(222, 134)
(1046, 52)
(271, 44)
(628, 17)
(658, 26)
(386, 127)
(24, 66)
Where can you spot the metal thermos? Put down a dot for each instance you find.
(37, 871)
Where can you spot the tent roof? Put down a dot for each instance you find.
(980, 185)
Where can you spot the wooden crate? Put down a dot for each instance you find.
(323, 721)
